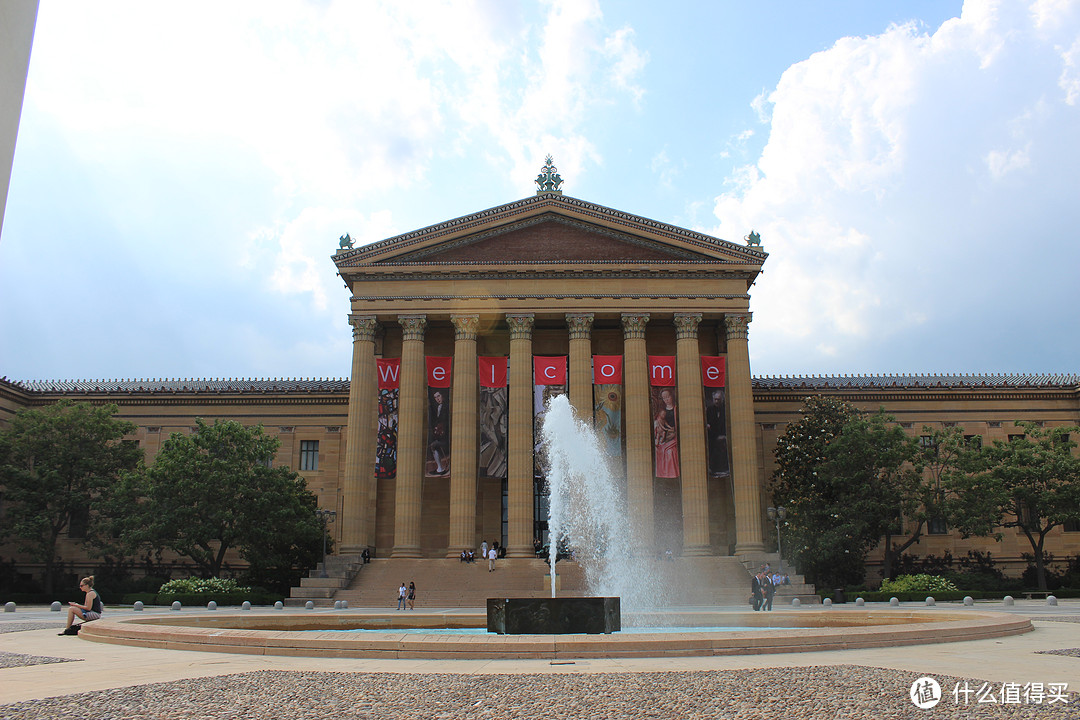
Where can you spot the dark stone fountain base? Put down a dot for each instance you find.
(553, 616)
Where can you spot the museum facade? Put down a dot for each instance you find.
(463, 330)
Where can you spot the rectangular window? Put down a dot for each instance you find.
(309, 455)
(937, 526)
(1021, 436)
(79, 522)
(1072, 526)
(973, 441)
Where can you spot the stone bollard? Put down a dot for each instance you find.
(969, 601)
(278, 605)
(1007, 600)
(176, 605)
(55, 607)
(212, 605)
(930, 602)
(309, 605)
(894, 602)
(859, 602)
(795, 602)
(246, 605)
(9, 607)
(1051, 600)
(138, 607)
(827, 602)
(344, 604)
(337, 604)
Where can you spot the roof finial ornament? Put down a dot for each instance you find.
(753, 239)
(548, 181)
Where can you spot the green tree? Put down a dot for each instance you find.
(847, 479)
(1031, 482)
(58, 465)
(879, 461)
(818, 526)
(214, 490)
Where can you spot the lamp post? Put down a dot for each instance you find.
(326, 516)
(777, 514)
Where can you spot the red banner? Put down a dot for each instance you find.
(438, 371)
(662, 370)
(389, 372)
(607, 369)
(492, 372)
(712, 371)
(549, 370)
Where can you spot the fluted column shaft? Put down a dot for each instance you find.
(520, 465)
(358, 486)
(744, 470)
(463, 437)
(639, 469)
(410, 451)
(695, 497)
(581, 390)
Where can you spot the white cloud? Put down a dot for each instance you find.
(899, 170)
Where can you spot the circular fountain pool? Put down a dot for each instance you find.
(318, 634)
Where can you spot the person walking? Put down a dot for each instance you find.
(412, 596)
(756, 590)
(483, 550)
(768, 589)
(492, 554)
(402, 595)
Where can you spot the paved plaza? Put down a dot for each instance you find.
(43, 675)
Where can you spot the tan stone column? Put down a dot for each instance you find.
(639, 467)
(463, 437)
(744, 469)
(581, 391)
(358, 489)
(410, 450)
(695, 497)
(519, 542)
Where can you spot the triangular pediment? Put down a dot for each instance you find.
(546, 238)
(548, 228)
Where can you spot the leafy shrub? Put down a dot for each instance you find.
(917, 583)
(199, 586)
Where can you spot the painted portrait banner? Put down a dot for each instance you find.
(664, 401)
(549, 380)
(494, 417)
(437, 463)
(388, 373)
(608, 402)
(713, 378)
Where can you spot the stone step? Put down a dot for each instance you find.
(324, 582)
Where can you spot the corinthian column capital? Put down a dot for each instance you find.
(521, 325)
(412, 326)
(363, 327)
(465, 326)
(686, 325)
(580, 325)
(738, 325)
(634, 325)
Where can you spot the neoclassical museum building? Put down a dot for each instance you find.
(462, 330)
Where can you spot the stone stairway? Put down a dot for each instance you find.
(715, 581)
(340, 572)
(798, 588)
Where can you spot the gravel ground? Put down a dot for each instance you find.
(9, 627)
(10, 659)
(799, 693)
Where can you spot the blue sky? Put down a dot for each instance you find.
(183, 172)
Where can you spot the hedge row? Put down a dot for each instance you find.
(944, 596)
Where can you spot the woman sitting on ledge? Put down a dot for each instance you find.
(90, 610)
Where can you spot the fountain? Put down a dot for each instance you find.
(587, 513)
